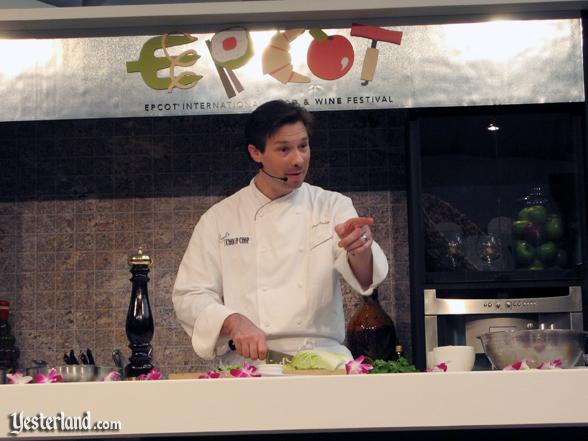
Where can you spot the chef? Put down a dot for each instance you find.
(262, 266)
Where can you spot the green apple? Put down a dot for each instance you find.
(524, 252)
(553, 227)
(537, 266)
(524, 214)
(547, 252)
(537, 214)
(519, 226)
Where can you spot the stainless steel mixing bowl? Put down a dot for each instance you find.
(536, 346)
(74, 373)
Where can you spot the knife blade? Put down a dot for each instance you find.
(277, 357)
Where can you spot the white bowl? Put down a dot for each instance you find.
(457, 358)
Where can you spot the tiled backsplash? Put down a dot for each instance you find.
(78, 197)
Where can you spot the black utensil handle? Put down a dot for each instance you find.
(90, 356)
(66, 359)
(232, 346)
(84, 358)
(72, 357)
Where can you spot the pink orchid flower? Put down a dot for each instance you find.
(246, 371)
(153, 374)
(553, 364)
(18, 378)
(518, 366)
(211, 374)
(441, 367)
(52, 377)
(357, 366)
(112, 376)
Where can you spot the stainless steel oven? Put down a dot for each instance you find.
(459, 317)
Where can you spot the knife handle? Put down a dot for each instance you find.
(232, 346)
(72, 357)
(90, 356)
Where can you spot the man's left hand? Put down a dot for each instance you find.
(356, 236)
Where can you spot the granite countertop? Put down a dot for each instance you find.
(310, 403)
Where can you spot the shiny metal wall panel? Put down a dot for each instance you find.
(487, 63)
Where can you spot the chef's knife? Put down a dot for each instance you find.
(272, 357)
(277, 357)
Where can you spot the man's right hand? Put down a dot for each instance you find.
(249, 340)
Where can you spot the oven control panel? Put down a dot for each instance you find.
(509, 304)
(572, 302)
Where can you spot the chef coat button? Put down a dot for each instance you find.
(298, 322)
(300, 285)
(301, 249)
(260, 214)
(263, 249)
(267, 324)
(264, 288)
(298, 212)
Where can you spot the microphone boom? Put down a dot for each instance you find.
(275, 177)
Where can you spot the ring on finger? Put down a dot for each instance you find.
(364, 237)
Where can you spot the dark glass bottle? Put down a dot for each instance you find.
(9, 353)
(371, 331)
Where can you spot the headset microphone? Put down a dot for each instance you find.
(272, 176)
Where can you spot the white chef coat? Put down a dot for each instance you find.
(273, 261)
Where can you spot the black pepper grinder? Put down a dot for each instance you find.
(139, 324)
(9, 353)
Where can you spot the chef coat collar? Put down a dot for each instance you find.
(262, 199)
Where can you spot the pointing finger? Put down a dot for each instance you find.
(348, 226)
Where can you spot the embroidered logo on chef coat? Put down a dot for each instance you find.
(230, 241)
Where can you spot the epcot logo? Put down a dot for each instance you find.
(328, 57)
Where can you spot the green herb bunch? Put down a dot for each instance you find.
(393, 367)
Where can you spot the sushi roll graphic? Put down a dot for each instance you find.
(231, 48)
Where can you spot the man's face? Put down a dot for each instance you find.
(286, 155)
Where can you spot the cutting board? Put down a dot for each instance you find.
(184, 375)
(291, 371)
(287, 371)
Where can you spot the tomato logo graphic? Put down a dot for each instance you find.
(329, 56)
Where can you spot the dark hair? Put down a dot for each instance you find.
(267, 119)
